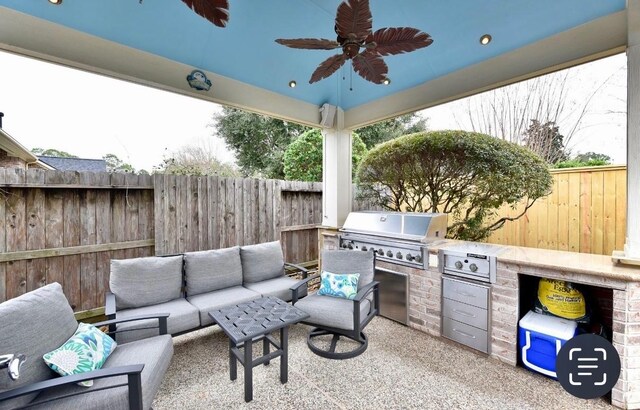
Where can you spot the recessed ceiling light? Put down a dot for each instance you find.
(292, 84)
(56, 2)
(485, 39)
(386, 81)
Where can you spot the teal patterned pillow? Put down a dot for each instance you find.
(339, 285)
(85, 351)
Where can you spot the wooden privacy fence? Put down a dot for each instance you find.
(66, 226)
(586, 212)
(197, 213)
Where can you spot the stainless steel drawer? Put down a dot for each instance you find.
(465, 292)
(468, 314)
(465, 334)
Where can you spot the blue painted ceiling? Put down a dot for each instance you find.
(245, 50)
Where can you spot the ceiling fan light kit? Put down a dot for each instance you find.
(360, 44)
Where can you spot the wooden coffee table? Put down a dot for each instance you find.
(250, 322)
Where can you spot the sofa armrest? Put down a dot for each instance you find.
(110, 305)
(362, 293)
(366, 290)
(296, 288)
(305, 271)
(134, 382)
(162, 322)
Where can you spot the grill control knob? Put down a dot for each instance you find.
(458, 265)
(399, 255)
(364, 248)
(473, 267)
(344, 245)
(350, 246)
(390, 254)
(418, 258)
(409, 257)
(380, 252)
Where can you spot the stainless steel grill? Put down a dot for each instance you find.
(395, 237)
(470, 260)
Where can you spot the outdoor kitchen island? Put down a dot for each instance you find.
(622, 283)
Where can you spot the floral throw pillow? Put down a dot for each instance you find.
(85, 351)
(339, 285)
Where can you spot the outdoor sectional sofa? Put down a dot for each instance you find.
(188, 286)
(42, 320)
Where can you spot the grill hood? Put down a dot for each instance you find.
(411, 226)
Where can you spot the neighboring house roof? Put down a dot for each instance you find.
(14, 149)
(75, 164)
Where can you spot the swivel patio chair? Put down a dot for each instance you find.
(336, 316)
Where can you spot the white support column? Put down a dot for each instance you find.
(632, 243)
(336, 173)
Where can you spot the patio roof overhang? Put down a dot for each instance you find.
(159, 43)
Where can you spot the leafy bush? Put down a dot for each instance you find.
(303, 158)
(465, 174)
(589, 159)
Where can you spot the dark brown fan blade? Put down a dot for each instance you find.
(353, 20)
(309, 43)
(398, 40)
(370, 66)
(328, 67)
(216, 11)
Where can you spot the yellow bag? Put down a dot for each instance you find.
(559, 298)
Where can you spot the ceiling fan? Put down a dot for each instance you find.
(216, 11)
(354, 29)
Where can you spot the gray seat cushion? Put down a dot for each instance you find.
(33, 324)
(262, 261)
(207, 271)
(331, 311)
(350, 262)
(155, 353)
(278, 287)
(182, 316)
(145, 281)
(207, 302)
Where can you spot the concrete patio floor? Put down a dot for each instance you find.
(402, 368)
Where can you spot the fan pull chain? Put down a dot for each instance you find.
(350, 80)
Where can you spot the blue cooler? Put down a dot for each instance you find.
(540, 339)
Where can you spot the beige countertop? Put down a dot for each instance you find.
(586, 263)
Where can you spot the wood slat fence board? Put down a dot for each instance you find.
(586, 212)
(67, 226)
(216, 212)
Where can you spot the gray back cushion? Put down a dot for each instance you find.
(212, 270)
(350, 262)
(33, 324)
(146, 281)
(262, 261)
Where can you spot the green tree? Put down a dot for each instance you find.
(303, 158)
(387, 130)
(258, 141)
(546, 141)
(52, 152)
(588, 159)
(115, 164)
(593, 156)
(465, 174)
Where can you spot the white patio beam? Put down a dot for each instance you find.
(336, 173)
(632, 243)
